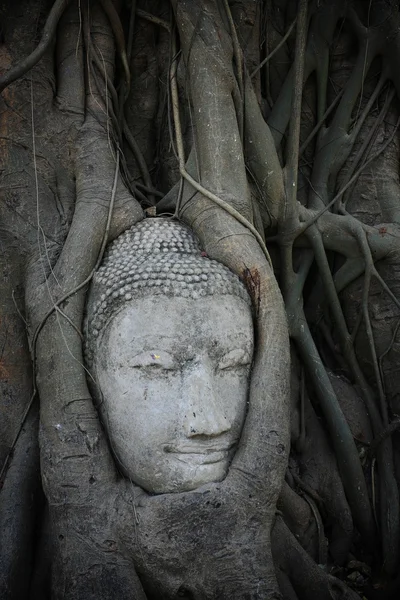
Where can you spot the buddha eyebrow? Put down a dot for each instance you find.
(154, 337)
(152, 356)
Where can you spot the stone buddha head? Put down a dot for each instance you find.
(169, 342)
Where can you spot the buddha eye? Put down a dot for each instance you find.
(154, 360)
(239, 357)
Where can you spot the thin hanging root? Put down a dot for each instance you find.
(368, 107)
(137, 153)
(116, 26)
(95, 58)
(110, 111)
(153, 19)
(123, 128)
(290, 220)
(368, 142)
(239, 65)
(6, 462)
(301, 440)
(30, 61)
(322, 546)
(320, 122)
(373, 486)
(356, 327)
(371, 341)
(129, 42)
(367, 284)
(390, 346)
(92, 56)
(181, 158)
(275, 50)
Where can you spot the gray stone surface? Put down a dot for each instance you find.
(172, 365)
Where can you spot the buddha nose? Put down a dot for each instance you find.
(204, 415)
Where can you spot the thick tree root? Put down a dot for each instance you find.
(298, 575)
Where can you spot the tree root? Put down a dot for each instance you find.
(197, 186)
(87, 280)
(48, 34)
(308, 581)
(116, 25)
(275, 50)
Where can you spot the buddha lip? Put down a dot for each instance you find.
(203, 450)
(199, 456)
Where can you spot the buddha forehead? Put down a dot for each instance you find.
(185, 327)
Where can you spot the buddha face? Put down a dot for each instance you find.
(174, 375)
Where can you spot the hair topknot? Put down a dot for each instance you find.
(157, 256)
